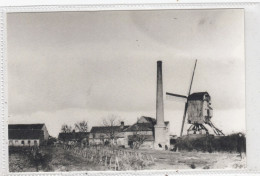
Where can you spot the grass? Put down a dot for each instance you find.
(54, 159)
(58, 159)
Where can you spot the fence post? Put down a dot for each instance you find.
(117, 163)
(110, 163)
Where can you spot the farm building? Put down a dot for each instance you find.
(113, 134)
(142, 132)
(27, 134)
(74, 136)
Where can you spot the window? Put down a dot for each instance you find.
(22, 142)
(29, 142)
(35, 142)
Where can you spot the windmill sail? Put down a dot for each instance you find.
(186, 104)
(176, 97)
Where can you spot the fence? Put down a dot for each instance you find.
(111, 157)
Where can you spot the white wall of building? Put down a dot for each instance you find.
(23, 142)
(45, 132)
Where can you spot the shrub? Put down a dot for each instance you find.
(210, 143)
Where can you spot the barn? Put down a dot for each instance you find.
(27, 134)
(112, 134)
(142, 131)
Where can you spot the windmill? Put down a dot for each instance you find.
(197, 105)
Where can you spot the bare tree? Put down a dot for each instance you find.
(111, 124)
(66, 128)
(81, 126)
(138, 137)
(138, 140)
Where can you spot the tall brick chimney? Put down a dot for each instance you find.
(159, 96)
(161, 135)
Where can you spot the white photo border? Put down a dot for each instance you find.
(252, 60)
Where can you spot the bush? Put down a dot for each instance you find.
(210, 143)
(51, 140)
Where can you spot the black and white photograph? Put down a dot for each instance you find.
(126, 90)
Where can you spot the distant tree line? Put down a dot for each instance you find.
(81, 126)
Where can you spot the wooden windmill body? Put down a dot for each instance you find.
(199, 110)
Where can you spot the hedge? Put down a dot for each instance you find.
(211, 143)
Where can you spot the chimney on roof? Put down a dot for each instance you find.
(122, 124)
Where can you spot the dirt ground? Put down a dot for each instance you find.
(59, 160)
(166, 160)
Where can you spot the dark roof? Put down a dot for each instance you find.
(26, 126)
(25, 134)
(141, 127)
(73, 136)
(149, 126)
(105, 129)
(150, 120)
(197, 96)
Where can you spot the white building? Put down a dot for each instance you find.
(111, 134)
(27, 134)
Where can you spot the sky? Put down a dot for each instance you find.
(64, 67)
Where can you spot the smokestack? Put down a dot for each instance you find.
(159, 96)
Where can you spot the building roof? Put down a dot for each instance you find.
(150, 120)
(147, 126)
(140, 127)
(105, 129)
(197, 96)
(25, 134)
(26, 126)
(73, 136)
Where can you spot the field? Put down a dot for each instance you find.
(60, 159)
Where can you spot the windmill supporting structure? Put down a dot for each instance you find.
(197, 127)
(215, 129)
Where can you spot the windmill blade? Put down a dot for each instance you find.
(183, 119)
(186, 104)
(192, 77)
(176, 97)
